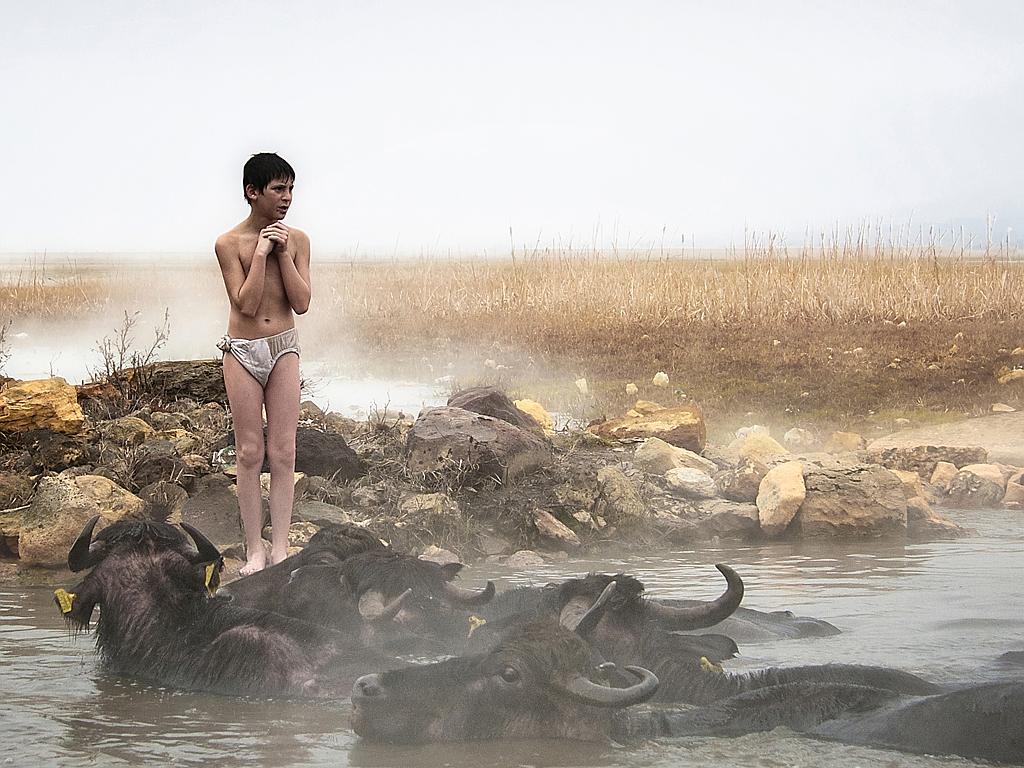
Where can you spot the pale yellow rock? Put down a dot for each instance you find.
(660, 379)
(631, 389)
(845, 442)
(779, 496)
(1014, 497)
(537, 411)
(1011, 376)
(994, 473)
(943, 475)
(300, 479)
(647, 407)
(40, 404)
(127, 430)
(184, 442)
(1003, 408)
(656, 457)
(582, 386)
(551, 528)
(758, 446)
(912, 484)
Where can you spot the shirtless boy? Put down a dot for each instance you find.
(266, 272)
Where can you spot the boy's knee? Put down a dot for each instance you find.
(281, 455)
(249, 455)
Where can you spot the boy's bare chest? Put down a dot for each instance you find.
(246, 247)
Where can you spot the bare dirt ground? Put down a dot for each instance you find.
(1001, 434)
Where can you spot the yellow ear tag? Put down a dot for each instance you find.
(710, 666)
(475, 622)
(65, 599)
(208, 576)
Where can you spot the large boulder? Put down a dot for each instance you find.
(779, 497)
(325, 454)
(691, 483)
(1014, 496)
(49, 404)
(213, 509)
(451, 439)
(682, 426)
(490, 401)
(319, 513)
(924, 458)
(656, 457)
(198, 380)
(51, 451)
(126, 430)
(61, 508)
(617, 497)
(943, 475)
(553, 531)
(743, 482)
(729, 519)
(755, 445)
(976, 486)
(922, 521)
(851, 500)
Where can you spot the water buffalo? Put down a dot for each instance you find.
(543, 681)
(160, 622)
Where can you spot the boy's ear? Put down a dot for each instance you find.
(251, 191)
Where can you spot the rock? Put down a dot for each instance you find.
(319, 513)
(325, 454)
(756, 446)
(163, 500)
(845, 442)
(164, 420)
(493, 544)
(183, 441)
(10, 529)
(299, 533)
(15, 489)
(1016, 375)
(54, 451)
(340, 425)
(368, 496)
(472, 445)
(657, 457)
(851, 500)
(198, 380)
(728, 518)
(901, 422)
(429, 509)
(922, 521)
(213, 509)
(779, 497)
(537, 412)
(195, 466)
(1014, 496)
(976, 486)
(299, 483)
(582, 387)
(524, 558)
(631, 389)
(157, 459)
(127, 430)
(489, 401)
(923, 458)
(660, 379)
(61, 508)
(322, 489)
(912, 484)
(743, 482)
(554, 531)
(691, 483)
(436, 554)
(42, 404)
(210, 416)
(799, 440)
(752, 429)
(682, 426)
(1003, 408)
(647, 407)
(617, 497)
(310, 411)
(943, 475)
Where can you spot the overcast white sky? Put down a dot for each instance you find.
(424, 126)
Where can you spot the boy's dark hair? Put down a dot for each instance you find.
(262, 168)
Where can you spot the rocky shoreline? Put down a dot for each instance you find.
(481, 478)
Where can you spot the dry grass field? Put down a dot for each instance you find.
(830, 336)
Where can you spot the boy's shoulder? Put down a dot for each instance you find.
(298, 233)
(228, 241)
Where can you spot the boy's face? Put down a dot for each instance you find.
(273, 201)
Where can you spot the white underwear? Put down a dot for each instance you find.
(259, 356)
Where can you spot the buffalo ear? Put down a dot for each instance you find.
(450, 570)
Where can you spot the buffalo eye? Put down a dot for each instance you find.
(510, 675)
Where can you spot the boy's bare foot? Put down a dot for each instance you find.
(276, 556)
(257, 562)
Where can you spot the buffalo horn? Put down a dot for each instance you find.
(590, 692)
(206, 552)
(577, 617)
(83, 553)
(467, 598)
(705, 614)
(372, 608)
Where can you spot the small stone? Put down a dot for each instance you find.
(660, 379)
(436, 554)
(631, 389)
(551, 528)
(691, 483)
(943, 475)
(1003, 408)
(581, 385)
(656, 457)
(798, 439)
(537, 411)
(845, 442)
(524, 558)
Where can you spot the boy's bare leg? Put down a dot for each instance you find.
(246, 398)
(282, 399)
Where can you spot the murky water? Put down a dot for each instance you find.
(945, 610)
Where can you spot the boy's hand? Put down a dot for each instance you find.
(273, 237)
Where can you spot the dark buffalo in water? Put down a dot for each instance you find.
(543, 681)
(330, 546)
(628, 630)
(160, 622)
